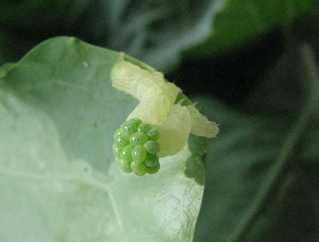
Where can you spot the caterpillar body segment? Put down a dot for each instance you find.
(159, 126)
(174, 132)
(201, 126)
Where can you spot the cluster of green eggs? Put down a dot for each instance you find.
(135, 147)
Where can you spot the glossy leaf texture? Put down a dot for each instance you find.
(59, 180)
(262, 182)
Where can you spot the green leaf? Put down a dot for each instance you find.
(157, 32)
(262, 180)
(59, 180)
(306, 28)
(40, 14)
(241, 22)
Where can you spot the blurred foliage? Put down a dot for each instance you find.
(155, 32)
(261, 167)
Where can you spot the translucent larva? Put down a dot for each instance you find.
(159, 126)
(201, 126)
(161, 106)
(132, 79)
(174, 132)
(150, 88)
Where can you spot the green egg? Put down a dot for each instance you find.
(136, 121)
(153, 134)
(152, 147)
(117, 132)
(151, 160)
(138, 139)
(143, 128)
(117, 151)
(138, 168)
(153, 170)
(139, 153)
(126, 154)
(129, 127)
(125, 166)
(122, 140)
(117, 161)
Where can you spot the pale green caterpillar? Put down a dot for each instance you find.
(158, 126)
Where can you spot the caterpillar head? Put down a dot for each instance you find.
(135, 147)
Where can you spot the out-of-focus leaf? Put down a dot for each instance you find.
(262, 182)
(154, 31)
(24, 24)
(240, 22)
(158, 32)
(59, 180)
(306, 28)
(35, 15)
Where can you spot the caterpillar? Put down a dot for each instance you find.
(158, 126)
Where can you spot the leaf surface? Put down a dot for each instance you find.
(59, 180)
